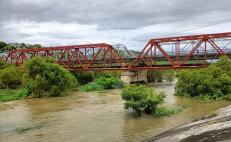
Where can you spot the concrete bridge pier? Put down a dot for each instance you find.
(129, 77)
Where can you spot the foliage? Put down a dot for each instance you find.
(163, 111)
(84, 77)
(103, 83)
(45, 78)
(10, 77)
(109, 82)
(107, 74)
(9, 47)
(92, 86)
(169, 75)
(2, 45)
(13, 94)
(158, 76)
(37, 46)
(213, 82)
(154, 76)
(141, 99)
(3, 64)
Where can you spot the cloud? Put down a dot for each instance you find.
(132, 23)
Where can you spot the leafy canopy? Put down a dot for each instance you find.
(141, 98)
(46, 78)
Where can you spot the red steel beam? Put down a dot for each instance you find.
(103, 56)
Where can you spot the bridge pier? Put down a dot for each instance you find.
(129, 77)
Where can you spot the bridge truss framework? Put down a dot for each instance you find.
(162, 53)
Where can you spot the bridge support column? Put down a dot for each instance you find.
(129, 77)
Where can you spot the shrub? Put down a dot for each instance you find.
(84, 77)
(163, 111)
(169, 75)
(10, 77)
(92, 86)
(103, 83)
(141, 98)
(3, 64)
(153, 76)
(109, 83)
(46, 78)
(213, 82)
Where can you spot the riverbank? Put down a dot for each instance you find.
(213, 127)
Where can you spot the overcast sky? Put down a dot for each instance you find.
(129, 22)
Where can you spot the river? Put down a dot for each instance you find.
(91, 117)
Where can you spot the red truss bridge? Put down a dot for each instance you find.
(162, 53)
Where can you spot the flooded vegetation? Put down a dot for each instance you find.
(92, 116)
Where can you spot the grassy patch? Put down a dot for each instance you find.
(163, 111)
(92, 86)
(102, 83)
(13, 94)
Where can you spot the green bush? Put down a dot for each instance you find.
(141, 98)
(46, 78)
(169, 75)
(109, 83)
(84, 77)
(3, 64)
(102, 83)
(163, 111)
(107, 74)
(154, 76)
(92, 86)
(213, 82)
(10, 77)
(9, 47)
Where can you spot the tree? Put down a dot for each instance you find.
(213, 82)
(2, 45)
(9, 47)
(84, 77)
(10, 77)
(46, 78)
(37, 46)
(141, 99)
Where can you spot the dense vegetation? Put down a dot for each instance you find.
(159, 76)
(209, 83)
(8, 47)
(141, 98)
(38, 77)
(9, 77)
(45, 78)
(103, 80)
(84, 77)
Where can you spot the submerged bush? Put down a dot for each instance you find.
(141, 98)
(164, 111)
(213, 82)
(46, 78)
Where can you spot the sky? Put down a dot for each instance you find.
(131, 23)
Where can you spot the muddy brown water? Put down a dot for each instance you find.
(91, 117)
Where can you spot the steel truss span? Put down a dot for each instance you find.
(163, 53)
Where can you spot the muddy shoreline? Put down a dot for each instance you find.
(213, 127)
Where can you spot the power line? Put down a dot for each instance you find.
(198, 27)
